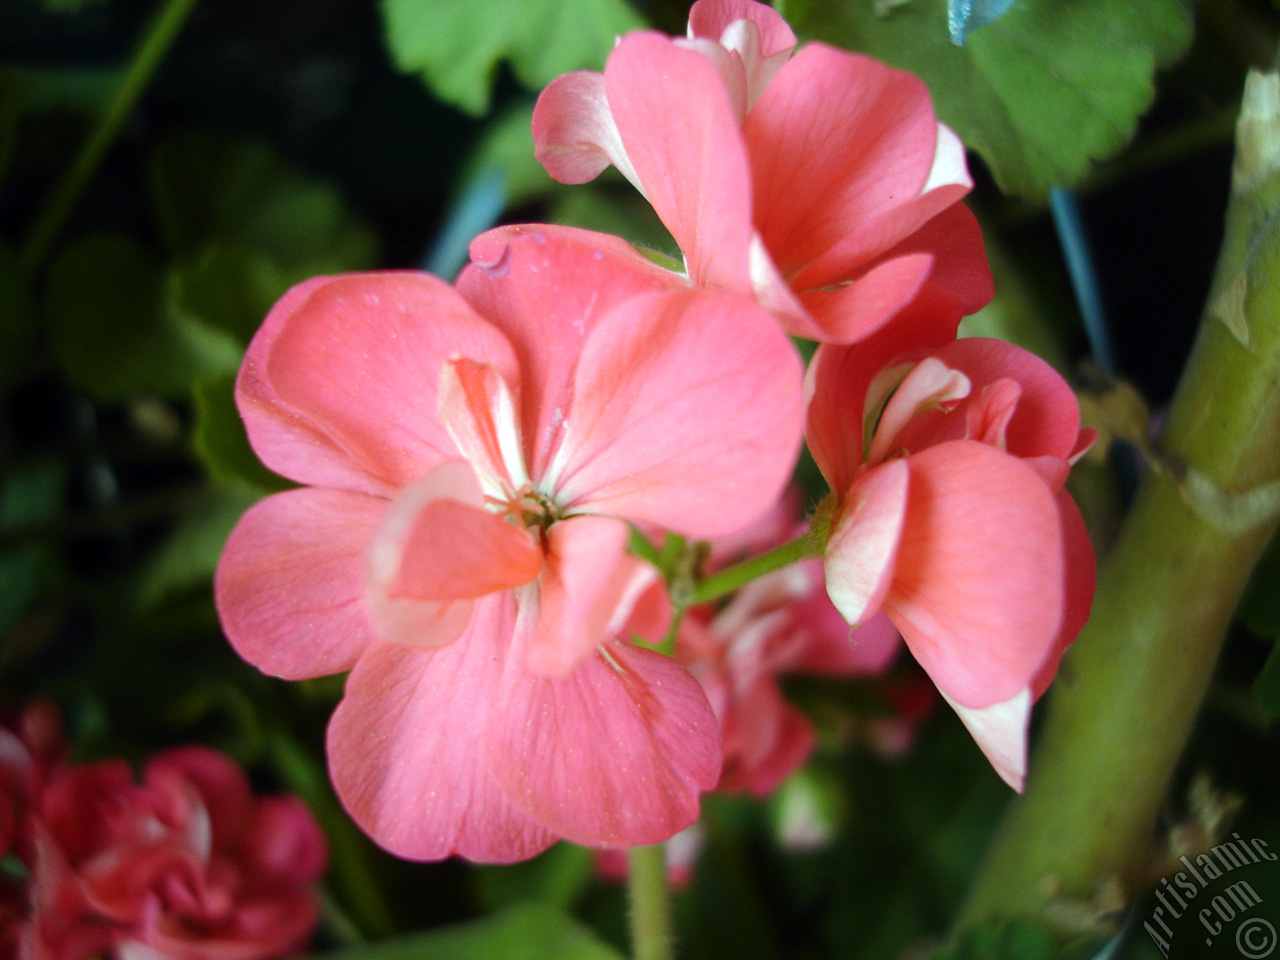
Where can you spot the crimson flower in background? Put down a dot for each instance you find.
(948, 458)
(186, 865)
(821, 183)
(470, 457)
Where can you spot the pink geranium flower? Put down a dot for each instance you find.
(822, 182)
(948, 459)
(470, 457)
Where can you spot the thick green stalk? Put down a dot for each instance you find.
(1129, 691)
(650, 903)
(155, 44)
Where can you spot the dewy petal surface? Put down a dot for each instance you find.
(686, 413)
(978, 587)
(405, 748)
(358, 362)
(612, 753)
(547, 288)
(290, 585)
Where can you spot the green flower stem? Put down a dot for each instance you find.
(155, 44)
(1129, 691)
(731, 578)
(650, 903)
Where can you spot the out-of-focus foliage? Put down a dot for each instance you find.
(531, 931)
(278, 143)
(1039, 93)
(457, 44)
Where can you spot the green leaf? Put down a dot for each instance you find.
(17, 318)
(1266, 688)
(189, 556)
(1015, 940)
(230, 287)
(221, 443)
(456, 44)
(212, 188)
(111, 328)
(1040, 93)
(1260, 605)
(531, 931)
(557, 876)
(28, 498)
(507, 145)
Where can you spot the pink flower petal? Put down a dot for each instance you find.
(863, 545)
(855, 309)
(479, 413)
(978, 587)
(290, 584)
(765, 739)
(710, 19)
(634, 448)
(613, 753)
(436, 551)
(222, 786)
(960, 270)
(547, 288)
(356, 366)
(1000, 730)
(1046, 419)
(574, 135)
(283, 845)
(837, 141)
(405, 748)
(587, 575)
(931, 385)
(284, 440)
(839, 377)
(1081, 567)
(682, 136)
(832, 648)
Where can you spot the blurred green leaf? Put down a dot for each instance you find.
(1040, 93)
(190, 553)
(557, 876)
(64, 88)
(622, 212)
(1260, 606)
(456, 44)
(532, 931)
(221, 443)
(1014, 940)
(28, 497)
(507, 145)
(230, 287)
(111, 328)
(213, 188)
(17, 318)
(1266, 689)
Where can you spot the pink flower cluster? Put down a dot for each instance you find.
(186, 865)
(475, 458)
